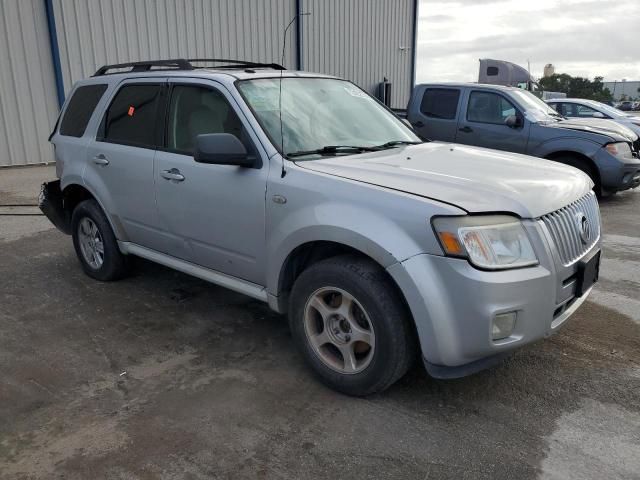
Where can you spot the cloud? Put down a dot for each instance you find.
(580, 37)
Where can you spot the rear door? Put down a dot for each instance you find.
(483, 123)
(435, 116)
(215, 213)
(121, 159)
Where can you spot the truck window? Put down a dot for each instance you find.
(131, 117)
(195, 110)
(440, 103)
(80, 108)
(487, 107)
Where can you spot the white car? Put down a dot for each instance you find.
(581, 108)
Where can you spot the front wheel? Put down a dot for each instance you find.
(352, 325)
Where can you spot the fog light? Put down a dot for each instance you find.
(503, 325)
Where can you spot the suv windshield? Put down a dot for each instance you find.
(323, 116)
(536, 109)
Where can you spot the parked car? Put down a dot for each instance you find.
(514, 120)
(581, 108)
(626, 106)
(302, 191)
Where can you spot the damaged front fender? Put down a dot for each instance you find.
(51, 203)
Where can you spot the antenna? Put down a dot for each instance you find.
(284, 44)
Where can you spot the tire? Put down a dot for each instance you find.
(91, 234)
(587, 168)
(378, 332)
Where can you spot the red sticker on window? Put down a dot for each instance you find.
(130, 112)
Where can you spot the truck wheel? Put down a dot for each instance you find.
(351, 325)
(585, 167)
(95, 243)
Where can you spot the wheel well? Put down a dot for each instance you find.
(73, 195)
(306, 255)
(559, 156)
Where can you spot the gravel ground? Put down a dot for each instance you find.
(164, 376)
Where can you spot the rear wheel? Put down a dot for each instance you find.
(351, 324)
(95, 244)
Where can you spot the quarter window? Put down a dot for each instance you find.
(80, 108)
(198, 110)
(131, 118)
(487, 107)
(440, 103)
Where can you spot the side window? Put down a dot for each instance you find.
(131, 117)
(440, 103)
(488, 107)
(194, 111)
(80, 108)
(556, 106)
(567, 110)
(584, 111)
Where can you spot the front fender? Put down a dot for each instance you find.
(573, 144)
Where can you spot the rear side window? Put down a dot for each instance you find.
(440, 103)
(131, 117)
(80, 108)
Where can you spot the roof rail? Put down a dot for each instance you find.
(182, 64)
(236, 63)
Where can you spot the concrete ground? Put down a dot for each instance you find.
(164, 376)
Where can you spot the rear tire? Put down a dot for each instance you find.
(95, 243)
(351, 325)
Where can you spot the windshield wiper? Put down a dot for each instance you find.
(332, 150)
(395, 143)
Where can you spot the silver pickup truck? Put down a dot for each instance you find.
(514, 120)
(302, 191)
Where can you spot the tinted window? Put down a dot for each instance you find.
(487, 107)
(198, 110)
(80, 108)
(131, 118)
(440, 103)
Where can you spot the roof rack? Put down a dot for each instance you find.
(183, 64)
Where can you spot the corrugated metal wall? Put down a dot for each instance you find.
(28, 104)
(92, 33)
(362, 40)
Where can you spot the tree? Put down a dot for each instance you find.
(577, 87)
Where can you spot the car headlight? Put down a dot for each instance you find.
(619, 149)
(495, 242)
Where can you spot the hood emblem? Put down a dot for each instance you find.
(584, 228)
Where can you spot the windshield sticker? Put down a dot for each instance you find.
(355, 92)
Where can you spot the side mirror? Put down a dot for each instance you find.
(513, 121)
(598, 115)
(221, 149)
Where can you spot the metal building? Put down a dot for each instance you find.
(46, 45)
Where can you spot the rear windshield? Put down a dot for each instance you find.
(80, 108)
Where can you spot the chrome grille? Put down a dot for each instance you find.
(565, 228)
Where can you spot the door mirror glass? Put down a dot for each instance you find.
(513, 121)
(221, 149)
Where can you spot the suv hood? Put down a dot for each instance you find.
(474, 179)
(614, 130)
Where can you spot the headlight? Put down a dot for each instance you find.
(620, 149)
(493, 242)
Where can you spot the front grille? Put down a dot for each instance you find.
(565, 227)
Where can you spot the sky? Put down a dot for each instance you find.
(585, 38)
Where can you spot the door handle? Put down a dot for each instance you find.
(100, 159)
(418, 124)
(466, 129)
(173, 174)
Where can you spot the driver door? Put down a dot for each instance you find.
(483, 125)
(215, 213)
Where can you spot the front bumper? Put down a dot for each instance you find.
(454, 305)
(617, 174)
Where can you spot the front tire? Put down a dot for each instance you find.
(95, 243)
(351, 324)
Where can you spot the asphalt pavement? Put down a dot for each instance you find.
(162, 375)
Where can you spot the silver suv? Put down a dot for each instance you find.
(303, 191)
